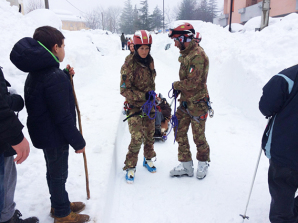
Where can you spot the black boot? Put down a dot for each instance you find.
(157, 131)
(16, 218)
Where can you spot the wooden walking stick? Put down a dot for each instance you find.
(80, 127)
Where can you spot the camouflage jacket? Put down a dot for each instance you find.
(136, 80)
(128, 57)
(193, 76)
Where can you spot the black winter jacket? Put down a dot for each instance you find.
(49, 98)
(280, 101)
(15, 103)
(10, 126)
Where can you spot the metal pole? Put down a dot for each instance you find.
(244, 216)
(231, 8)
(265, 14)
(46, 3)
(163, 9)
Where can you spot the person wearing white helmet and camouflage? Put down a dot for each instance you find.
(137, 80)
(193, 109)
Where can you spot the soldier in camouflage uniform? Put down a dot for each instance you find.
(137, 80)
(193, 107)
(131, 49)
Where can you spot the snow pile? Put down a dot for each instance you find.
(255, 23)
(45, 17)
(240, 64)
(235, 27)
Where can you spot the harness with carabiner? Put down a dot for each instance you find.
(196, 118)
(208, 103)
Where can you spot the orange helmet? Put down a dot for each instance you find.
(129, 42)
(142, 37)
(198, 37)
(184, 29)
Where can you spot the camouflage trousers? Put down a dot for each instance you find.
(141, 131)
(198, 131)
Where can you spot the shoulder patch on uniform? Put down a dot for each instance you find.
(123, 85)
(124, 76)
(191, 69)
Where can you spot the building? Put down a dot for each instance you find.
(70, 21)
(243, 10)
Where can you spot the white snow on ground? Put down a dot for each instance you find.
(240, 64)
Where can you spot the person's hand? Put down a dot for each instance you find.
(70, 70)
(175, 92)
(147, 96)
(22, 150)
(81, 150)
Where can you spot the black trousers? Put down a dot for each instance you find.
(283, 183)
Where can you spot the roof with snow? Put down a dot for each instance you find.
(65, 15)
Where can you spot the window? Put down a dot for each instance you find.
(251, 2)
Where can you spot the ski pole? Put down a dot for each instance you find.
(80, 127)
(244, 216)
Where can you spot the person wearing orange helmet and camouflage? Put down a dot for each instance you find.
(193, 109)
(131, 49)
(137, 80)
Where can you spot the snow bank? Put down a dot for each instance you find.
(45, 17)
(235, 27)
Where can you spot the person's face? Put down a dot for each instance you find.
(143, 51)
(177, 44)
(59, 51)
(131, 47)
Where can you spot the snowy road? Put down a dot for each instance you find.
(220, 197)
(240, 65)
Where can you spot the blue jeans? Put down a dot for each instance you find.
(1, 182)
(57, 172)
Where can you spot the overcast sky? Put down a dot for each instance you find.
(89, 5)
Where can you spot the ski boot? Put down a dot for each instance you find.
(149, 165)
(184, 168)
(130, 175)
(202, 169)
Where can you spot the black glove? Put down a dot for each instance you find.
(176, 93)
(147, 96)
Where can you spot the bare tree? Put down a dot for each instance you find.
(93, 19)
(113, 17)
(170, 16)
(33, 5)
(103, 17)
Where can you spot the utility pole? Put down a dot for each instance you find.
(163, 17)
(265, 14)
(231, 8)
(46, 3)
